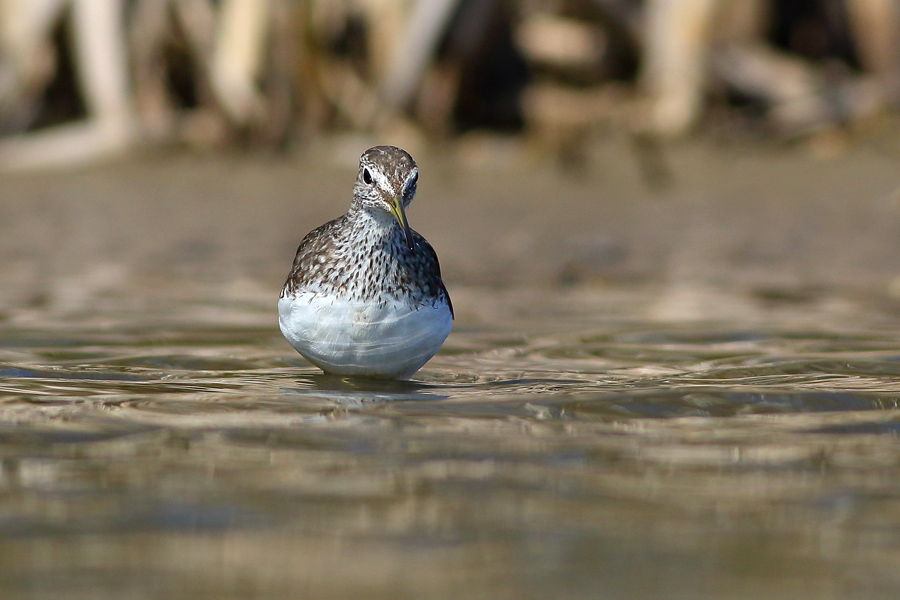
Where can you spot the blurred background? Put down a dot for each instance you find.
(278, 73)
(579, 140)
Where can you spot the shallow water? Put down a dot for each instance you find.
(566, 443)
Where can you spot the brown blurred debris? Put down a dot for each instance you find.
(98, 49)
(801, 100)
(123, 73)
(264, 72)
(692, 42)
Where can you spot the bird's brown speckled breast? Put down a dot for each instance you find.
(345, 258)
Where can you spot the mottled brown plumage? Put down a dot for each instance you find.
(368, 264)
(349, 257)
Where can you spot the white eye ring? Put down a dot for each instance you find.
(367, 177)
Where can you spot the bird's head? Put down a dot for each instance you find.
(386, 183)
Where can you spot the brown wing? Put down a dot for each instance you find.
(433, 266)
(316, 242)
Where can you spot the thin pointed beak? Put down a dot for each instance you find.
(400, 214)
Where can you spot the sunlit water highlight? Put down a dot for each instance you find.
(565, 443)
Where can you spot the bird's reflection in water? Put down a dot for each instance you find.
(353, 392)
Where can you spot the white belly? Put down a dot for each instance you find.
(356, 338)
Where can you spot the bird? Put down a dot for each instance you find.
(364, 297)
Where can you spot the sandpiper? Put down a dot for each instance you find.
(365, 296)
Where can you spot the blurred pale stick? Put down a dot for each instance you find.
(102, 74)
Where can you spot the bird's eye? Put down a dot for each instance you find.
(414, 179)
(367, 177)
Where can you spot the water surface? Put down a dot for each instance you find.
(566, 443)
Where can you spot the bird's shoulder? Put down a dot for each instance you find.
(318, 241)
(315, 244)
(427, 253)
(432, 265)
